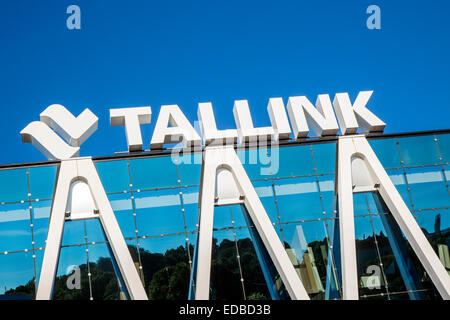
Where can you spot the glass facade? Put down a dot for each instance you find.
(155, 201)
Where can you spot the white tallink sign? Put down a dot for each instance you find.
(59, 134)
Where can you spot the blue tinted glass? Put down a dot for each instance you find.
(428, 188)
(444, 146)
(42, 182)
(165, 267)
(190, 205)
(253, 278)
(225, 273)
(189, 168)
(74, 233)
(15, 229)
(13, 185)
(298, 199)
(398, 179)
(16, 269)
(159, 212)
(222, 217)
(264, 191)
(152, 173)
(419, 150)
(41, 214)
(114, 175)
(105, 281)
(260, 163)
(123, 210)
(295, 161)
(325, 157)
(69, 259)
(307, 246)
(326, 184)
(94, 231)
(387, 152)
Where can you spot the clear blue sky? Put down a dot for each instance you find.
(136, 53)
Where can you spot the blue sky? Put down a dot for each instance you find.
(136, 53)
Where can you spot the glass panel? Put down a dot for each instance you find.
(13, 185)
(418, 151)
(106, 282)
(225, 272)
(123, 210)
(260, 163)
(42, 182)
(189, 169)
(222, 217)
(436, 226)
(370, 277)
(72, 264)
(326, 184)
(74, 233)
(253, 279)
(159, 212)
(444, 146)
(307, 247)
(387, 152)
(41, 214)
(295, 161)
(165, 266)
(114, 175)
(428, 188)
(264, 190)
(298, 199)
(15, 229)
(157, 172)
(190, 205)
(398, 179)
(325, 157)
(17, 276)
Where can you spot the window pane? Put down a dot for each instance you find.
(166, 268)
(189, 169)
(307, 247)
(123, 210)
(159, 212)
(72, 260)
(74, 233)
(42, 182)
(444, 146)
(114, 175)
(156, 172)
(295, 161)
(190, 205)
(298, 199)
(387, 152)
(325, 157)
(419, 150)
(13, 185)
(15, 229)
(41, 214)
(428, 188)
(264, 190)
(17, 275)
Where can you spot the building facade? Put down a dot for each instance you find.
(156, 200)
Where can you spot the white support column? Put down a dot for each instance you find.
(226, 158)
(70, 171)
(349, 147)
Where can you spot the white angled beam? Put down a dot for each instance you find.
(304, 115)
(352, 146)
(70, 171)
(226, 158)
(131, 118)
